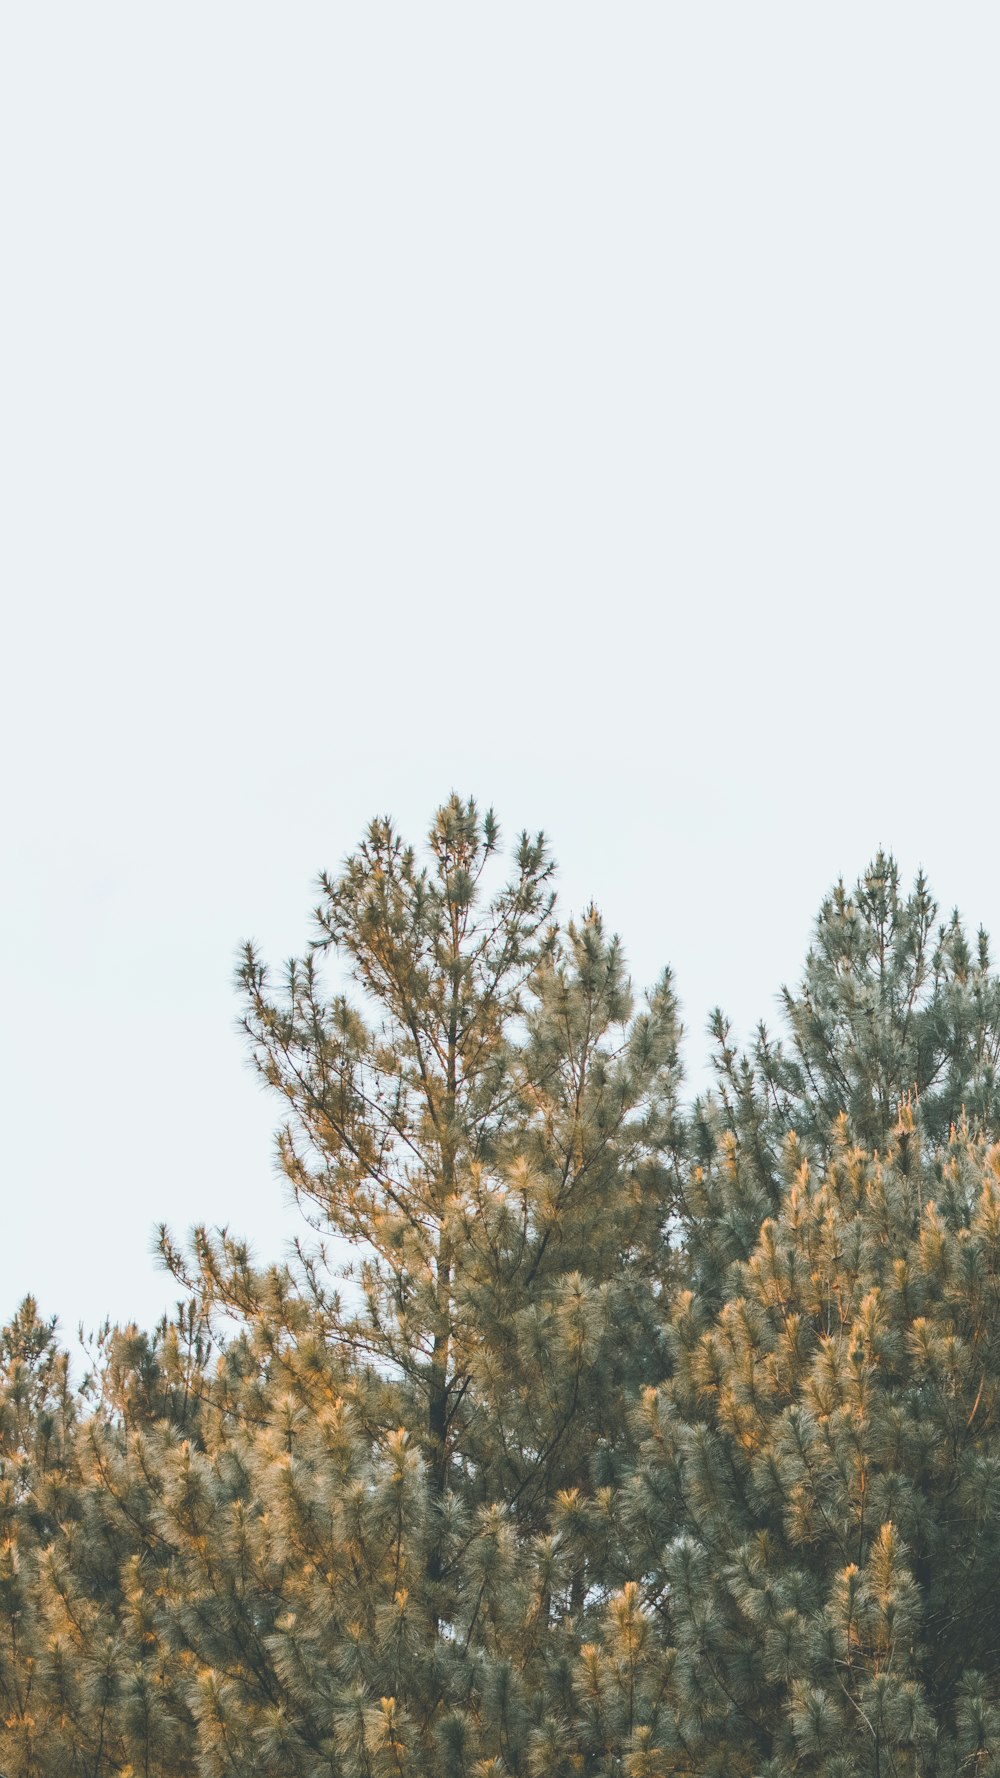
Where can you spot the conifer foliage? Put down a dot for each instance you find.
(633, 1439)
(815, 1505)
(490, 1125)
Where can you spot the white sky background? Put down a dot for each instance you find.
(591, 408)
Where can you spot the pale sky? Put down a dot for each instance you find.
(590, 408)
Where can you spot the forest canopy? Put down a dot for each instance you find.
(594, 1428)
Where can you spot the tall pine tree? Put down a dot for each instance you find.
(491, 1125)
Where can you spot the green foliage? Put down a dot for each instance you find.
(894, 1009)
(892, 1006)
(629, 1442)
(491, 1125)
(815, 1505)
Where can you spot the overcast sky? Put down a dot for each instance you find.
(594, 409)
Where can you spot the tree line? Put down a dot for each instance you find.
(634, 1435)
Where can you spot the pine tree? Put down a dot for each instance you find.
(814, 1513)
(894, 1008)
(492, 1127)
(37, 1418)
(90, 1684)
(893, 1005)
